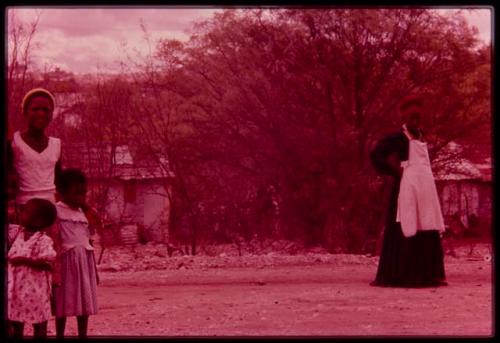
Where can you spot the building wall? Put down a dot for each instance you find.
(141, 202)
(485, 208)
(156, 210)
(462, 198)
(117, 210)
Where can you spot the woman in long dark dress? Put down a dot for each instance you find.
(412, 254)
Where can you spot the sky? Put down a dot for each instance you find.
(88, 40)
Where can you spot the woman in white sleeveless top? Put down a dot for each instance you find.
(34, 158)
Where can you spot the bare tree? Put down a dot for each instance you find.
(20, 45)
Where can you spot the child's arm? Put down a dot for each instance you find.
(54, 234)
(94, 219)
(33, 263)
(57, 170)
(42, 256)
(95, 225)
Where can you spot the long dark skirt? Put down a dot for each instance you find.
(416, 261)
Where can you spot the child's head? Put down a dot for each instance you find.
(38, 214)
(71, 184)
(38, 108)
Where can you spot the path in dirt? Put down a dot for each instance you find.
(289, 300)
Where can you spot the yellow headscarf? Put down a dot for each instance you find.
(37, 91)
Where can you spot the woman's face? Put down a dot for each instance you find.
(39, 112)
(412, 117)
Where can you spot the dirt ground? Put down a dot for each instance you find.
(283, 295)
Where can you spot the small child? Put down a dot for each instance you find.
(77, 293)
(30, 261)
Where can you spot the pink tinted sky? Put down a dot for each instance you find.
(86, 40)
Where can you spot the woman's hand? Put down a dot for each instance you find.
(401, 169)
(395, 164)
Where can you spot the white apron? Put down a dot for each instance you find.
(418, 201)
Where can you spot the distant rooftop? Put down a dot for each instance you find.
(453, 162)
(93, 161)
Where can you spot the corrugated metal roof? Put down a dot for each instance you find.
(130, 172)
(450, 164)
(94, 161)
(459, 170)
(122, 155)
